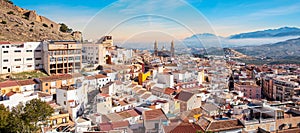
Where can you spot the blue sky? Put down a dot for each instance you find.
(167, 19)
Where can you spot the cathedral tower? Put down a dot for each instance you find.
(155, 48)
(172, 49)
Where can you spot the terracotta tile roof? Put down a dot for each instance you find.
(105, 126)
(104, 95)
(122, 103)
(169, 91)
(26, 82)
(155, 114)
(124, 114)
(120, 124)
(146, 95)
(182, 128)
(99, 76)
(90, 77)
(141, 91)
(8, 83)
(184, 96)
(114, 117)
(203, 123)
(56, 77)
(133, 113)
(224, 125)
(10, 94)
(42, 94)
(4, 42)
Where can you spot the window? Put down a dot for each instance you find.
(59, 59)
(77, 58)
(46, 90)
(38, 50)
(5, 51)
(64, 120)
(4, 67)
(5, 60)
(38, 58)
(28, 50)
(29, 59)
(18, 66)
(17, 51)
(7, 46)
(71, 58)
(3, 46)
(46, 84)
(29, 65)
(64, 102)
(54, 122)
(17, 59)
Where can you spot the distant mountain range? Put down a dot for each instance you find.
(269, 36)
(288, 48)
(280, 32)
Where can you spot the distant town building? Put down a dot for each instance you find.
(163, 52)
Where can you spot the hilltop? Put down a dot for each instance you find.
(18, 24)
(280, 32)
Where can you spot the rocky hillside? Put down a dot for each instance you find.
(18, 24)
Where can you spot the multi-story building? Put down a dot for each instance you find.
(250, 89)
(267, 88)
(19, 56)
(62, 57)
(71, 98)
(285, 90)
(96, 53)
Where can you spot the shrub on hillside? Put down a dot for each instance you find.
(3, 22)
(11, 12)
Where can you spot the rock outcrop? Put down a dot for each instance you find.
(18, 24)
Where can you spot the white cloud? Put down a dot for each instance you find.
(284, 10)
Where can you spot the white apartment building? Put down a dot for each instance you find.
(122, 56)
(18, 57)
(95, 53)
(166, 78)
(72, 99)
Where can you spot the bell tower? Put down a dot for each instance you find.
(155, 48)
(172, 50)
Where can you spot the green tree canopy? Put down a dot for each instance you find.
(24, 118)
(64, 28)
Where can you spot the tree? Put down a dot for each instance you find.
(4, 117)
(64, 28)
(37, 111)
(16, 122)
(24, 118)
